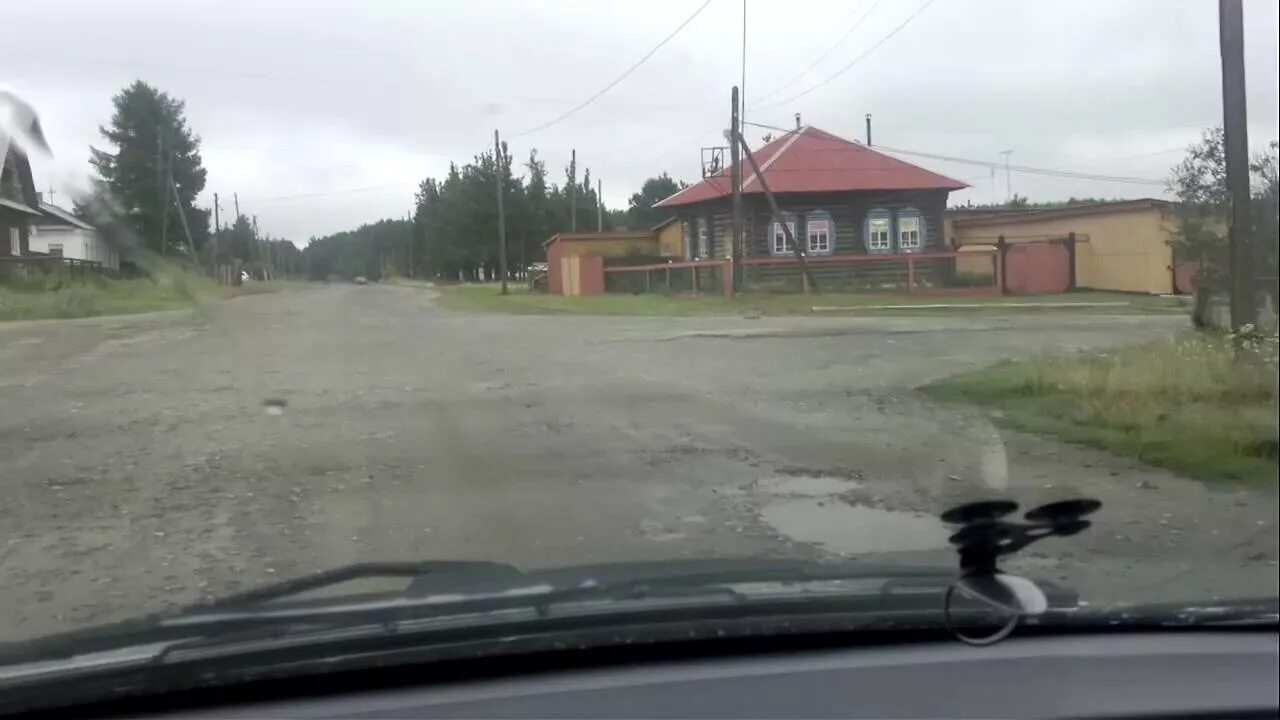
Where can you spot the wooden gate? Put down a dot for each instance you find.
(1037, 268)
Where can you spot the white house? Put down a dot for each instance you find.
(57, 232)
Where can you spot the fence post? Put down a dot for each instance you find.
(728, 279)
(804, 281)
(1071, 261)
(1002, 249)
(911, 274)
(646, 280)
(695, 279)
(668, 279)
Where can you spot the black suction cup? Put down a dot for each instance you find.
(983, 510)
(1063, 512)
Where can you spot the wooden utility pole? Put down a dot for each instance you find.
(599, 205)
(216, 224)
(409, 219)
(502, 220)
(164, 193)
(573, 191)
(806, 276)
(236, 198)
(735, 178)
(182, 218)
(1235, 127)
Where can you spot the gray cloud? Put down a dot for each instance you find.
(323, 115)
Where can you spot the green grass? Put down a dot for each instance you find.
(1189, 403)
(484, 297)
(103, 296)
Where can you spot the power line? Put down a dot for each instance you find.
(618, 79)
(856, 60)
(348, 191)
(843, 146)
(857, 23)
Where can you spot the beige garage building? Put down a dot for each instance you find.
(1125, 245)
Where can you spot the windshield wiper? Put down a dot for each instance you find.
(362, 571)
(472, 591)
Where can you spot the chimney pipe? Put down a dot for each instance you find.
(797, 121)
(868, 129)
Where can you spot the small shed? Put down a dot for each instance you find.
(575, 261)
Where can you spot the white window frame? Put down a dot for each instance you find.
(880, 234)
(822, 228)
(15, 242)
(909, 228)
(778, 244)
(704, 240)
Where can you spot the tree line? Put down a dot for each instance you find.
(453, 231)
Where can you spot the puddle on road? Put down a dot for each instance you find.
(807, 485)
(850, 529)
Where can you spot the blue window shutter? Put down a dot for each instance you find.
(909, 231)
(819, 219)
(878, 231)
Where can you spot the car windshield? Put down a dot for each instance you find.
(290, 286)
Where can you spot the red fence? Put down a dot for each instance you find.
(688, 276)
(939, 273)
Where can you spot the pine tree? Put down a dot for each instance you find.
(151, 144)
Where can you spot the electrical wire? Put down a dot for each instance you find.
(856, 60)
(618, 79)
(849, 31)
(844, 146)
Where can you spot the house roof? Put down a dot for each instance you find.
(1052, 213)
(15, 205)
(810, 160)
(62, 217)
(606, 235)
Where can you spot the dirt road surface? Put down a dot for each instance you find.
(152, 461)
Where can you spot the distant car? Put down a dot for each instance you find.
(361, 280)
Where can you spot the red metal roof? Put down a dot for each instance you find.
(812, 160)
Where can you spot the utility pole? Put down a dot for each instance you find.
(502, 220)
(868, 129)
(573, 191)
(742, 104)
(256, 249)
(599, 205)
(164, 193)
(736, 246)
(408, 217)
(1235, 130)
(217, 230)
(1008, 182)
(182, 218)
(806, 277)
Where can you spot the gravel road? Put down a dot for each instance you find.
(152, 461)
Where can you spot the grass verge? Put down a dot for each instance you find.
(105, 296)
(1190, 403)
(484, 297)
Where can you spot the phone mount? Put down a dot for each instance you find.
(984, 536)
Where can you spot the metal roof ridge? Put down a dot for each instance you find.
(769, 163)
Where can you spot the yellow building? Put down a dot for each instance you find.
(1125, 245)
(670, 238)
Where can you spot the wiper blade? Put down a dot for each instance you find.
(362, 571)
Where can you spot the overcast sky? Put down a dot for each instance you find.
(322, 115)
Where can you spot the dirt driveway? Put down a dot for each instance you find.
(141, 468)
